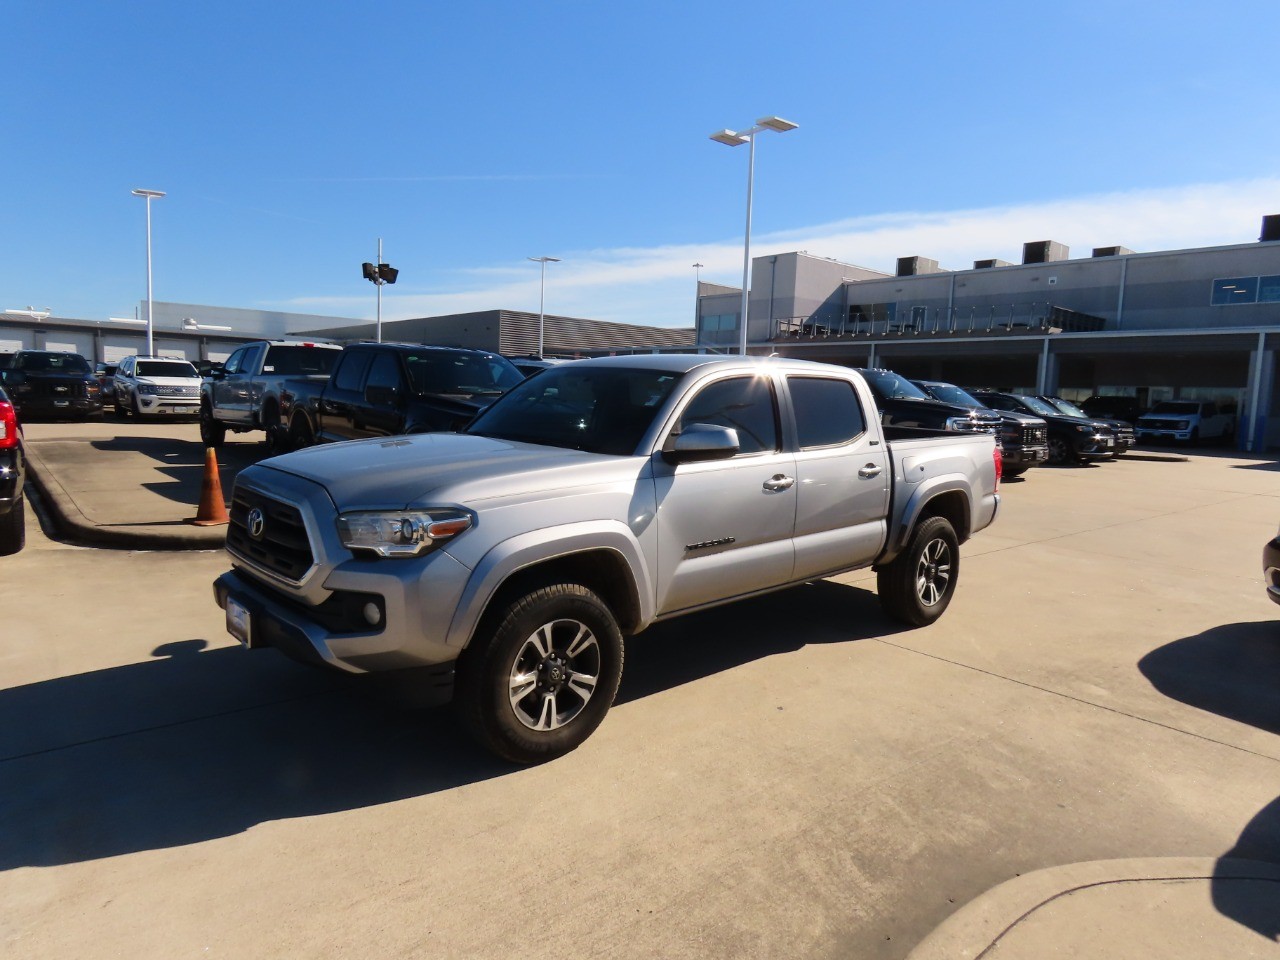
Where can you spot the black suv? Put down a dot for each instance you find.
(1071, 439)
(1125, 436)
(1024, 439)
(52, 384)
(903, 404)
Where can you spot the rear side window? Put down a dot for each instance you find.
(827, 411)
(350, 373)
(743, 403)
(301, 361)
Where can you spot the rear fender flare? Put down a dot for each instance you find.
(915, 507)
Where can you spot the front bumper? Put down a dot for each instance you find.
(168, 406)
(1097, 448)
(1024, 456)
(74, 407)
(1144, 435)
(1271, 569)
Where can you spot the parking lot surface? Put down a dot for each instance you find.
(1082, 756)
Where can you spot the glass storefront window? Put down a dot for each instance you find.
(1234, 290)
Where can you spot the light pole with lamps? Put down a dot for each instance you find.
(379, 273)
(542, 297)
(736, 138)
(149, 195)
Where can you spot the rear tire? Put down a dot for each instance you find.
(300, 432)
(13, 528)
(540, 674)
(918, 585)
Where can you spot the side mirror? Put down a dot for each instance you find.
(701, 442)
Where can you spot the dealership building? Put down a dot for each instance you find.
(1199, 324)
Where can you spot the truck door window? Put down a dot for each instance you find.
(744, 403)
(827, 411)
(384, 372)
(350, 372)
(233, 362)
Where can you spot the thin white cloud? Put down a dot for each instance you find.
(656, 285)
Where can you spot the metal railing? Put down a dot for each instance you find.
(938, 322)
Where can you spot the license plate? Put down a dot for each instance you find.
(239, 622)
(62, 403)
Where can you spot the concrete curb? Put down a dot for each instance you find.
(1152, 457)
(978, 927)
(72, 523)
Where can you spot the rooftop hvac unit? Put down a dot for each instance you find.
(988, 264)
(1270, 228)
(1044, 251)
(915, 266)
(1111, 251)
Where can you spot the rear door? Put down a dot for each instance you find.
(724, 527)
(842, 477)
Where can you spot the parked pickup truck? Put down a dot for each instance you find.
(383, 389)
(244, 394)
(1187, 420)
(508, 561)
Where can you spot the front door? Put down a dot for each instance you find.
(724, 527)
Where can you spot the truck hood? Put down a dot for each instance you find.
(443, 468)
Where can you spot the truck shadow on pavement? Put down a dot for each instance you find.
(201, 743)
(1233, 671)
(702, 644)
(182, 461)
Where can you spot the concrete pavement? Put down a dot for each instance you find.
(132, 487)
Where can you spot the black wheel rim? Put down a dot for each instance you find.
(554, 674)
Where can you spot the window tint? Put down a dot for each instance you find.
(301, 361)
(743, 403)
(461, 374)
(385, 371)
(827, 411)
(350, 373)
(233, 362)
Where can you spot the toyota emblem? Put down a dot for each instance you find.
(257, 522)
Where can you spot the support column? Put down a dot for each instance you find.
(1047, 371)
(1251, 433)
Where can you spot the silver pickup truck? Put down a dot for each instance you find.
(505, 564)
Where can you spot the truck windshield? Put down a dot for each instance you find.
(446, 373)
(952, 394)
(52, 363)
(165, 368)
(1069, 408)
(887, 385)
(597, 409)
(1036, 405)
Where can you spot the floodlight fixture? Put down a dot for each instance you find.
(729, 138)
(777, 124)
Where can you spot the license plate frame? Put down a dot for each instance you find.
(239, 622)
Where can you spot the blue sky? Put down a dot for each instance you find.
(290, 136)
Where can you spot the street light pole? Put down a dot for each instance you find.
(149, 195)
(542, 297)
(734, 138)
(379, 286)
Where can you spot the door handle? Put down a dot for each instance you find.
(869, 471)
(779, 482)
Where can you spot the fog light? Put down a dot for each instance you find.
(372, 614)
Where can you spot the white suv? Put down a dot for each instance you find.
(165, 386)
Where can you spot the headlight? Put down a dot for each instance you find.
(147, 389)
(400, 533)
(92, 387)
(1184, 424)
(1083, 428)
(963, 424)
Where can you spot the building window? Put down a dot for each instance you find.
(719, 328)
(1235, 290)
(1269, 289)
(872, 315)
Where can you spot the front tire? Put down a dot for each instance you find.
(212, 432)
(13, 528)
(541, 673)
(920, 582)
(1060, 451)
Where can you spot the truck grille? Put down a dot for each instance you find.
(1035, 436)
(58, 389)
(178, 391)
(282, 549)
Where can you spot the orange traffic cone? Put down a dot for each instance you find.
(213, 509)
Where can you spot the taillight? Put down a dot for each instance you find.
(998, 459)
(8, 425)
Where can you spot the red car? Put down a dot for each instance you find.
(13, 529)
